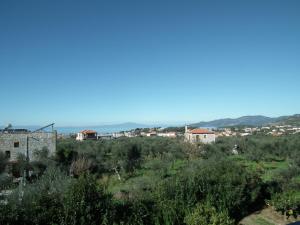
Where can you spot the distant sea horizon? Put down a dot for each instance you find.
(99, 128)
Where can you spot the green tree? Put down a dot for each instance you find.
(287, 202)
(206, 214)
(37, 203)
(85, 202)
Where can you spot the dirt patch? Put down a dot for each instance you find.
(267, 216)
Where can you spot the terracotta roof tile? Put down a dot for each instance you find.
(88, 132)
(201, 131)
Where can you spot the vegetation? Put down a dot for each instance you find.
(207, 214)
(155, 180)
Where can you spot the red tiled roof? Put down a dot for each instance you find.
(88, 132)
(201, 131)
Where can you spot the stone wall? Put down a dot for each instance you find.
(16, 143)
(197, 138)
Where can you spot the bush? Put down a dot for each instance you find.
(206, 214)
(225, 184)
(38, 203)
(287, 202)
(85, 202)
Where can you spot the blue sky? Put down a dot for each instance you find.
(95, 62)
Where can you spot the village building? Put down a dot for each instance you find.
(86, 135)
(105, 137)
(16, 142)
(244, 134)
(199, 135)
(168, 134)
(151, 134)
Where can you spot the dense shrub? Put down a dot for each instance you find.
(85, 202)
(225, 184)
(38, 203)
(287, 202)
(205, 213)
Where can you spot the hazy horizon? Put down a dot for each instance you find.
(146, 123)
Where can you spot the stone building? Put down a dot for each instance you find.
(199, 135)
(15, 141)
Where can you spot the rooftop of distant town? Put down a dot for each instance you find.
(88, 132)
(201, 131)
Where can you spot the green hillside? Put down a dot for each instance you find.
(293, 120)
(289, 120)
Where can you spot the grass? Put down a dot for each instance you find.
(267, 216)
(262, 221)
(271, 168)
(151, 172)
(176, 166)
(267, 169)
(296, 179)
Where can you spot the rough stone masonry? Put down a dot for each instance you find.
(13, 144)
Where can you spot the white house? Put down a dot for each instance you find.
(86, 135)
(168, 134)
(199, 135)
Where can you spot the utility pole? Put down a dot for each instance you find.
(27, 156)
(27, 145)
(26, 169)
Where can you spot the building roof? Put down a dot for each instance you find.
(88, 132)
(201, 131)
(12, 131)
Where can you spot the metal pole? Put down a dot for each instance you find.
(27, 148)
(27, 156)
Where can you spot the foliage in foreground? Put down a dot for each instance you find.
(205, 213)
(155, 181)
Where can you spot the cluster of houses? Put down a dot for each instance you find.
(276, 130)
(14, 142)
(198, 135)
(93, 135)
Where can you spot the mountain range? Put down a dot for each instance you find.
(251, 121)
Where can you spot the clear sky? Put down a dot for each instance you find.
(93, 62)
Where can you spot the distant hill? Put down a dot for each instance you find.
(251, 121)
(293, 120)
(125, 126)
